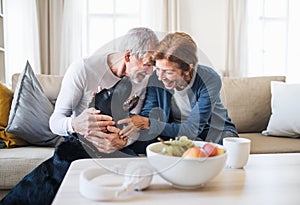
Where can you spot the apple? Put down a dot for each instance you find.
(220, 151)
(210, 149)
(194, 152)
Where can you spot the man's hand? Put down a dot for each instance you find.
(91, 120)
(134, 124)
(107, 142)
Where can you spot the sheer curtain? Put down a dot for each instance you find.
(236, 59)
(73, 33)
(161, 15)
(293, 63)
(49, 13)
(21, 39)
(245, 48)
(33, 32)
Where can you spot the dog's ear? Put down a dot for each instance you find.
(102, 102)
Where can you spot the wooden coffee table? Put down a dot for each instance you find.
(266, 179)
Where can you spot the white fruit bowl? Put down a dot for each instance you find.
(185, 173)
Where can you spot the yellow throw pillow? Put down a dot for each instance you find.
(6, 96)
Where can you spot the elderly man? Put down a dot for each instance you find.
(84, 128)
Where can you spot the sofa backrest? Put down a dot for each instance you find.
(248, 101)
(50, 84)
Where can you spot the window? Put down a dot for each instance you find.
(107, 20)
(273, 38)
(21, 34)
(268, 22)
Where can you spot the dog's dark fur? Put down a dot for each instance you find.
(111, 101)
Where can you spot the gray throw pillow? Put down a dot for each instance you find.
(30, 111)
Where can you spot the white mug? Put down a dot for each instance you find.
(238, 150)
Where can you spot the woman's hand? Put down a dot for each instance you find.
(134, 124)
(107, 142)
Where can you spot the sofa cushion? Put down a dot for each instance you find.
(8, 139)
(30, 112)
(261, 144)
(248, 101)
(285, 117)
(18, 162)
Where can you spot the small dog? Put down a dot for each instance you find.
(114, 102)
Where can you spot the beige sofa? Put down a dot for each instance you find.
(247, 99)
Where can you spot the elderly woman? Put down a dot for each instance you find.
(183, 98)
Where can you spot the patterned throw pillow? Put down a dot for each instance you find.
(30, 111)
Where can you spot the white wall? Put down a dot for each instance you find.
(206, 22)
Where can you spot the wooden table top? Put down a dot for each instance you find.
(266, 179)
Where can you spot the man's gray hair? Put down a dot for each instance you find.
(139, 41)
